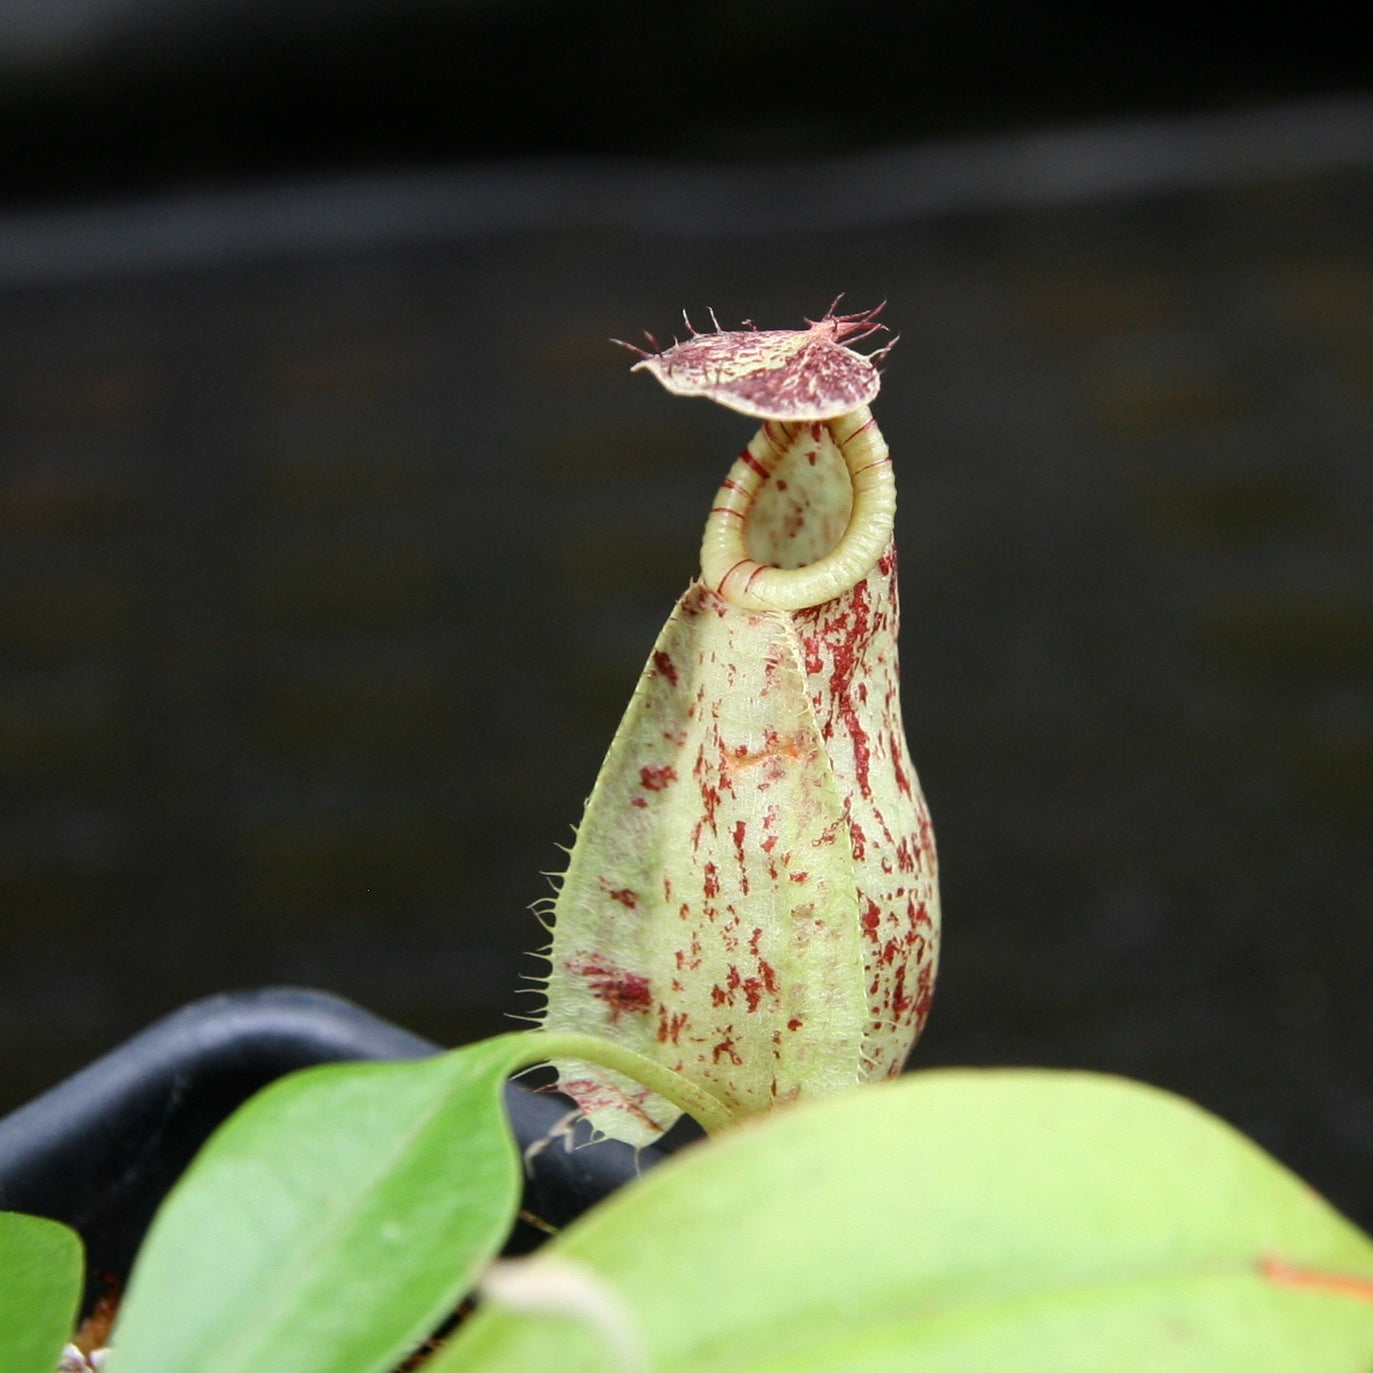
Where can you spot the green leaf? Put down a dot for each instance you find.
(960, 1221)
(40, 1283)
(332, 1222)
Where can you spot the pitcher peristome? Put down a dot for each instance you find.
(752, 899)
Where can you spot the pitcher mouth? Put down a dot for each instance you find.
(803, 516)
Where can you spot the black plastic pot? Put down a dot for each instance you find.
(100, 1150)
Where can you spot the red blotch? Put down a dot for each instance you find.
(710, 795)
(625, 897)
(665, 666)
(849, 635)
(593, 1095)
(656, 778)
(794, 1023)
(902, 781)
(726, 1047)
(711, 884)
(740, 831)
(859, 839)
(620, 991)
(670, 1026)
(902, 1001)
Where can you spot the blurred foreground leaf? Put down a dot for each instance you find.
(332, 1222)
(960, 1221)
(40, 1282)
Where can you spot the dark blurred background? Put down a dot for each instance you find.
(333, 532)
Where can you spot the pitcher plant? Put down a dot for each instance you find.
(752, 899)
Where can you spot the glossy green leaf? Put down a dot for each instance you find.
(40, 1283)
(332, 1222)
(961, 1221)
